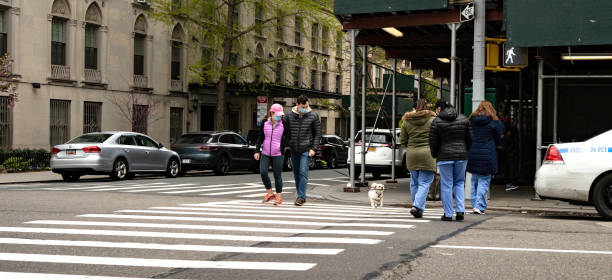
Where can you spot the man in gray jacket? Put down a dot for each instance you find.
(305, 131)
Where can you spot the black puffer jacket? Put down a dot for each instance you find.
(450, 136)
(305, 131)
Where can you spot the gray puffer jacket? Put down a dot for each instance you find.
(305, 131)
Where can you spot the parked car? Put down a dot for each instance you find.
(220, 151)
(120, 154)
(379, 153)
(579, 173)
(332, 151)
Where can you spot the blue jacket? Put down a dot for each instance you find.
(482, 157)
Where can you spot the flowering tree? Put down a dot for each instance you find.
(8, 80)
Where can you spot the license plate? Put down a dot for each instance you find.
(372, 149)
(71, 152)
(186, 160)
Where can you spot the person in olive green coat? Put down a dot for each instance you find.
(414, 135)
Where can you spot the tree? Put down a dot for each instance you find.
(215, 24)
(8, 80)
(138, 111)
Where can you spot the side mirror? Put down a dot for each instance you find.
(160, 145)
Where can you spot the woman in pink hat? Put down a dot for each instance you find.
(273, 137)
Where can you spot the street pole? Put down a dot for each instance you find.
(555, 108)
(540, 104)
(420, 89)
(478, 89)
(460, 88)
(453, 27)
(394, 142)
(351, 184)
(364, 66)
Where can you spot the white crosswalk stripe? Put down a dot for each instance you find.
(202, 227)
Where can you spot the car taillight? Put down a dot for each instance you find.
(54, 151)
(358, 144)
(208, 148)
(173, 148)
(92, 149)
(553, 155)
(322, 147)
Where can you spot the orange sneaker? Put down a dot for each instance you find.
(268, 197)
(278, 200)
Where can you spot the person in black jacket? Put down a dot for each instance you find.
(482, 158)
(305, 135)
(450, 136)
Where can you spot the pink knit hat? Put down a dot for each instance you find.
(277, 109)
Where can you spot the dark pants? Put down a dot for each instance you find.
(277, 168)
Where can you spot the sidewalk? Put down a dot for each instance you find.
(399, 195)
(35, 177)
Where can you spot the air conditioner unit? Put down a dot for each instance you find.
(144, 2)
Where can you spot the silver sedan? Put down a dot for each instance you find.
(117, 153)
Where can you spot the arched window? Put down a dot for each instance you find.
(140, 33)
(297, 73)
(339, 78)
(314, 83)
(93, 20)
(259, 56)
(324, 81)
(177, 52)
(61, 13)
(280, 68)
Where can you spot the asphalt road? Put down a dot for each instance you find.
(208, 227)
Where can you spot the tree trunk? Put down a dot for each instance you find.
(225, 61)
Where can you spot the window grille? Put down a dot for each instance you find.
(59, 121)
(140, 117)
(176, 124)
(92, 117)
(6, 123)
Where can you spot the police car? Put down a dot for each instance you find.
(580, 173)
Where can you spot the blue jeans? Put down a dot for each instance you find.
(277, 168)
(480, 188)
(300, 164)
(452, 180)
(419, 187)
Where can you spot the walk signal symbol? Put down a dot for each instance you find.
(514, 56)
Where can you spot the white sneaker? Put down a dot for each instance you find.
(478, 212)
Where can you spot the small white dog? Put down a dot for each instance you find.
(376, 195)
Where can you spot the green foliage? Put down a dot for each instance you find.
(17, 163)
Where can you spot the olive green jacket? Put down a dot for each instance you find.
(414, 135)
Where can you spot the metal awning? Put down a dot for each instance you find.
(345, 7)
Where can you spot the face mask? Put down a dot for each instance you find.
(277, 118)
(303, 111)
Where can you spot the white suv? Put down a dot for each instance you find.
(379, 153)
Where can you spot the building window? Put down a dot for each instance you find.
(6, 123)
(313, 79)
(139, 54)
(325, 39)
(323, 125)
(176, 124)
(315, 36)
(176, 4)
(59, 121)
(140, 118)
(259, 18)
(236, 15)
(92, 117)
(278, 73)
(339, 44)
(58, 42)
(324, 83)
(298, 31)
(297, 77)
(3, 35)
(207, 57)
(280, 23)
(338, 83)
(377, 80)
(91, 49)
(176, 60)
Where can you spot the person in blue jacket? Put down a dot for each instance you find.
(482, 157)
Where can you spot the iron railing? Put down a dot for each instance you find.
(176, 85)
(141, 81)
(93, 76)
(60, 72)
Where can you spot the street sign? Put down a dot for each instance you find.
(514, 56)
(262, 108)
(467, 12)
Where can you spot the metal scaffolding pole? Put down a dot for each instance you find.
(394, 143)
(555, 109)
(478, 91)
(419, 93)
(352, 119)
(364, 66)
(540, 101)
(460, 88)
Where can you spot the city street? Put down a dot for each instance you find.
(208, 227)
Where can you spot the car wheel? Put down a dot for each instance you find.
(173, 168)
(222, 166)
(602, 197)
(287, 164)
(312, 163)
(120, 169)
(332, 162)
(71, 177)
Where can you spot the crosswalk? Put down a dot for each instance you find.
(190, 235)
(238, 190)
